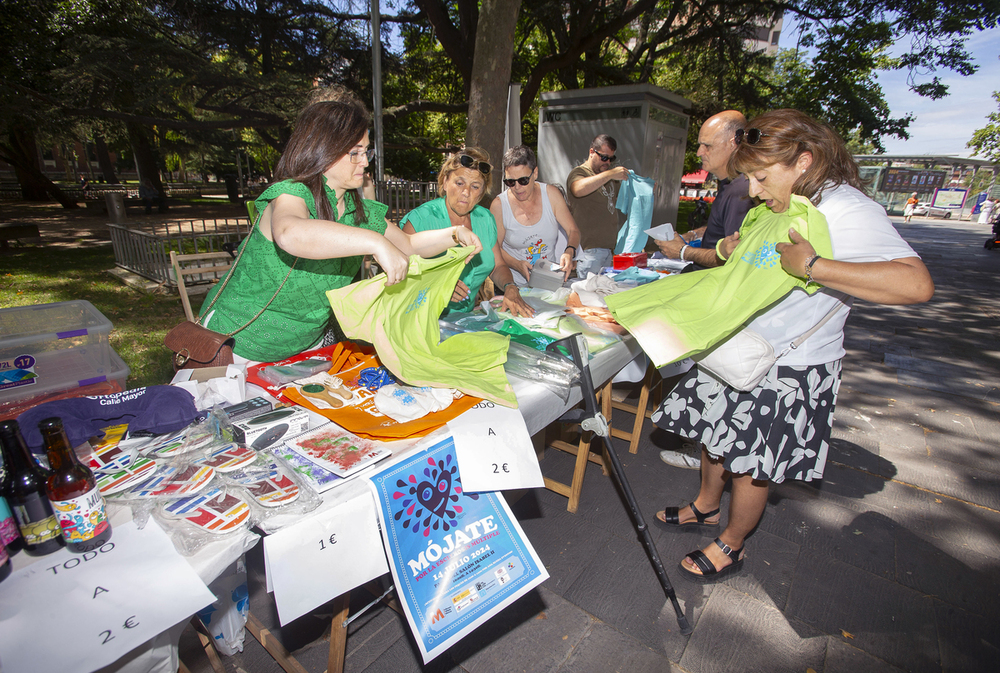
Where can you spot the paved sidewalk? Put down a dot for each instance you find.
(889, 564)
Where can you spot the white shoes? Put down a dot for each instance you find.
(689, 458)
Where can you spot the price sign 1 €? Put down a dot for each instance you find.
(494, 449)
(324, 555)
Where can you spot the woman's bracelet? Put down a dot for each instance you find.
(809, 268)
(718, 250)
(503, 288)
(683, 248)
(454, 236)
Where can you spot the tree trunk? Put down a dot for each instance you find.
(104, 159)
(22, 154)
(145, 155)
(491, 80)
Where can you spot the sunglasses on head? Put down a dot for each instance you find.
(604, 157)
(469, 162)
(510, 182)
(752, 136)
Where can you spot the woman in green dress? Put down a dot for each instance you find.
(463, 181)
(312, 234)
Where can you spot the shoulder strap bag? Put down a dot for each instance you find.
(195, 346)
(742, 361)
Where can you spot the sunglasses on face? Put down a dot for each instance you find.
(604, 157)
(469, 162)
(752, 136)
(510, 182)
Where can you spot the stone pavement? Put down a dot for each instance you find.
(889, 564)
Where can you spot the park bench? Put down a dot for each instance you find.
(15, 231)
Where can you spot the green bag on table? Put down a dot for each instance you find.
(688, 313)
(401, 321)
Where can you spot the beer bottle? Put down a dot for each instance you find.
(72, 490)
(10, 536)
(26, 495)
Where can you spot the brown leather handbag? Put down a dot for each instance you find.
(195, 346)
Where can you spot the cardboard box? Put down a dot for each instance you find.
(271, 428)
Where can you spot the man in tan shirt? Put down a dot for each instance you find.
(592, 194)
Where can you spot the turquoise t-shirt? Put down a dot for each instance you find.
(434, 215)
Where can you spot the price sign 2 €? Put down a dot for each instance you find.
(494, 449)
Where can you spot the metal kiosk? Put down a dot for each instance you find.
(649, 124)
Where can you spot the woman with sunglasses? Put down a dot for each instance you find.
(312, 233)
(529, 216)
(463, 181)
(779, 430)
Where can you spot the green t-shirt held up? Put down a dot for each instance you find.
(685, 314)
(299, 314)
(434, 215)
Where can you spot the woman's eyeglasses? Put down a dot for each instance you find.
(510, 182)
(604, 157)
(469, 162)
(357, 154)
(752, 136)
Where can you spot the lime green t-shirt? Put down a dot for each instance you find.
(434, 215)
(685, 314)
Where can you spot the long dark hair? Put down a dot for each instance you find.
(324, 133)
(785, 135)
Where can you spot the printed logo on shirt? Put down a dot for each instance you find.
(764, 257)
(418, 302)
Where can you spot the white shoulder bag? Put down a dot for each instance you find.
(742, 360)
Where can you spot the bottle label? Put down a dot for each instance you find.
(3, 555)
(35, 519)
(8, 527)
(82, 518)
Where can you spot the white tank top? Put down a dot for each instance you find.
(533, 244)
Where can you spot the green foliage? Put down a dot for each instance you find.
(986, 141)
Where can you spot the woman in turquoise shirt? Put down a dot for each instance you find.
(462, 182)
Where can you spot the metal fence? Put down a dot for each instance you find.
(402, 196)
(145, 249)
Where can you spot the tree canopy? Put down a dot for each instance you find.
(195, 78)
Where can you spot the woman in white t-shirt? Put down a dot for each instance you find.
(779, 430)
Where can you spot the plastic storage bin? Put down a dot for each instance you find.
(52, 351)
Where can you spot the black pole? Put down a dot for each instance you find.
(592, 420)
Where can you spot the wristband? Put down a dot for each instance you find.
(503, 288)
(454, 236)
(809, 268)
(683, 248)
(718, 250)
(571, 247)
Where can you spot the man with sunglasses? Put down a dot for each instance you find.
(716, 143)
(529, 215)
(592, 197)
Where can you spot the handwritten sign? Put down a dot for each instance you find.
(322, 557)
(80, 612)
(494, 449)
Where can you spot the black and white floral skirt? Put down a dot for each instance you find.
(777, 431)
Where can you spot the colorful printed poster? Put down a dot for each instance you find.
(457, 558)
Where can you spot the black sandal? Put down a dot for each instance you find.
(709, 573)
(671, 518)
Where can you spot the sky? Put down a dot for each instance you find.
(943, 126)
